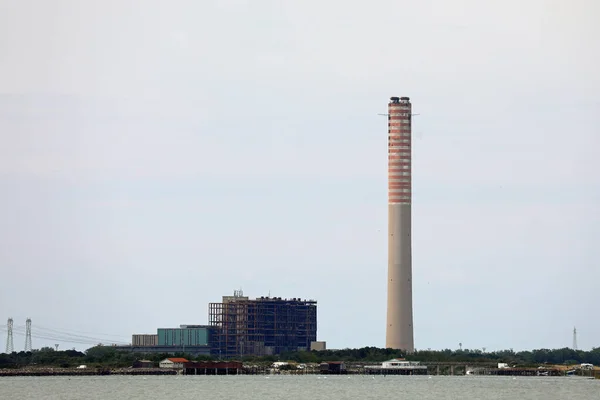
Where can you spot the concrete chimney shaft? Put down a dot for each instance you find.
(399, 329)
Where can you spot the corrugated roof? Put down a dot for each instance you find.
(177, 360)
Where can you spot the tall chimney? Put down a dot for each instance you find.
(399, 329)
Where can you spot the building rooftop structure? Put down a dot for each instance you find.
(398, 366)
(177, 360)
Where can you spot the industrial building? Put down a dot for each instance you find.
(144, 340)
(263, 326)
(399, 327)
(185, 335)
(190, 339)
(318, 346)
(189, 350)
(240, 326)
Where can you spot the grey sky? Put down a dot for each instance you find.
(157, 155)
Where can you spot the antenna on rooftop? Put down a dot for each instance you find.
(410, 115)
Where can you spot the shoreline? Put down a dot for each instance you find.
(28, 372)
(88, 372)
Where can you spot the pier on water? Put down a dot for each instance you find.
(517, 372)
(213, 368)
(488, 370)
(358, 368)
(421, 370)
(458, 369)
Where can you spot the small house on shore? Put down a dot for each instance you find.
(173, 363)
(143, 364)
(332, 367)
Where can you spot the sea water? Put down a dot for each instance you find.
(309, 387)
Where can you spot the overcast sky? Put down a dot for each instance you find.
(156, 155)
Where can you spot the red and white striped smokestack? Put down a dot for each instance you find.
(399, 329)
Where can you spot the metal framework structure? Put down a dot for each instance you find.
(264, 326)
(9, 337)
(28, 335)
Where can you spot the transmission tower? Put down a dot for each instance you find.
(9, 338)
(28, 335)
(574, 338)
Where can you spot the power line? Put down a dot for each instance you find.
(66, 334)
(66, 339)
(55, 335)
(61, 336)
(76, 332)
(75, 335)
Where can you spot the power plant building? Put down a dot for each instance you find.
(239, 326)
(399, 328)
(263, 326)
(185, 335)
(144, 340)
(191, 339)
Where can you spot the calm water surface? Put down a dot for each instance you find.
(297, 388)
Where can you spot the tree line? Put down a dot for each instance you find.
(107, 356)
(97, 356)
(522, 358)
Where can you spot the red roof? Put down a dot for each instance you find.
(177, 360)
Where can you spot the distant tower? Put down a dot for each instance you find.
(399, 329)
(574, 338)
(28, 335)
(9, 338)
